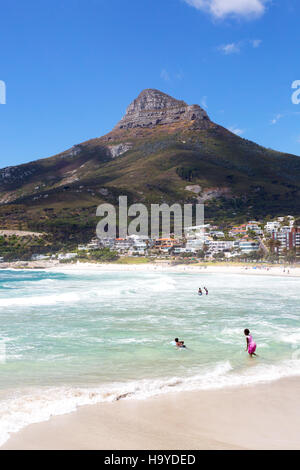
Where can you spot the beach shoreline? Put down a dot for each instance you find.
(159, 267)
(264, 416)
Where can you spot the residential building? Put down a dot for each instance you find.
(166, 244)
(39, 257)
(94, 244)
(122, 245)
(249, 246)
(272, 227)
(217, 234)
(239, 230)
(290, 240)
(67, 256)
(82, 248)
(194, 245)
(254, 227)
(219, 246)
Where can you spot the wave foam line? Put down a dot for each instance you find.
(39, 300)
(41, 405)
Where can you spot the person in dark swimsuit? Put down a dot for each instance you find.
(179, 344)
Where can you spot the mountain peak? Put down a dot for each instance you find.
(153, 107)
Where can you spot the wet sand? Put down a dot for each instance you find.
(265, 416)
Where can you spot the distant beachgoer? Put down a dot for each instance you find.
(200, 291)
(206, 290)
(182, 345)
(251, 345)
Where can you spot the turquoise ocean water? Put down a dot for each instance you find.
(80, 337)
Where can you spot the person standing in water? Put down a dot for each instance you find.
(206, 290)
(200, 291)
(251, 345)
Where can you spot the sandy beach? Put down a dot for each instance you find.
(162, 266)
(266, 416)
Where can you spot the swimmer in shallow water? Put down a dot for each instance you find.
(179, 344)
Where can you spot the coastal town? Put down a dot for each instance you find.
(273, 241)
(253, 241)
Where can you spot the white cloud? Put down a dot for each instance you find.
(204, 102)
(165, 75)
(284, 115)
(170, 76)
(179, 75)
(224, 8)
(233, 48)
(277, 118)
(256, 43)
(236, 130)
(236, 47)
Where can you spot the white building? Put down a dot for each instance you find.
(196, 231)
(108, 242)
(286, 229)
(39, 257)
(178, 250)
(94, 244)
(194, 245)
(82, 248)
(272, 227)
(248, 247)
(122, 245)
(195, 237)
(217, 234)
(254, 227)
(289, 217)
(220, 246)
(67, 256)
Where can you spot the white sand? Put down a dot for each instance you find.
(168, 267)
(161, 266)
(261, 417)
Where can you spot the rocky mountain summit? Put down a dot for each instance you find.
(162, 151)
(153, 107)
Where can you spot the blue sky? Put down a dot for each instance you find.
(71, 67)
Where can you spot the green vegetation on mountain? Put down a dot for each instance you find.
(162, 151)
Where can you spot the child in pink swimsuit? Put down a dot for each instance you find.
(251, 345)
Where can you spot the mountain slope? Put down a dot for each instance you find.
(161, 151)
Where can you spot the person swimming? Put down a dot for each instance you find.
(179, 344)
(206, 290)
(200, 291)
(251, 345)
